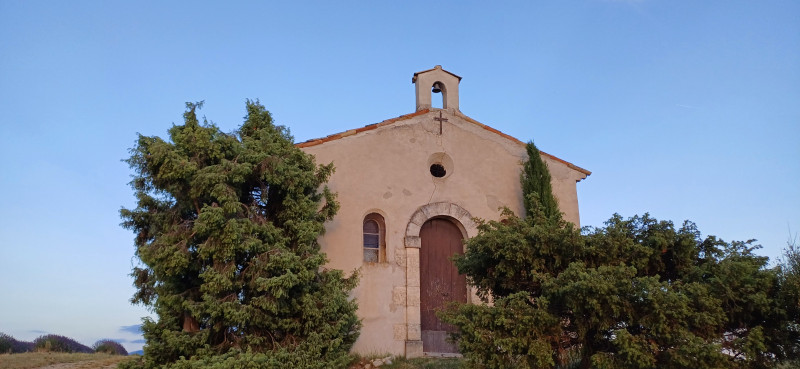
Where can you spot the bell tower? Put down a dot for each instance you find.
(434, 82)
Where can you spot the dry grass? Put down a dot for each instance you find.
(70, 361)
(55, 360)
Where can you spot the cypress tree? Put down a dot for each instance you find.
(226, 234)
(536, 187)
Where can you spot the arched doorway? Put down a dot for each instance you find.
(440, 282)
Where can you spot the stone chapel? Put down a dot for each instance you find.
(409, 188)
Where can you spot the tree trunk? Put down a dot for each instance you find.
(190, 324)
(588, 349)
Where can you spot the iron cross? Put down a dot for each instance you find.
(440, 119)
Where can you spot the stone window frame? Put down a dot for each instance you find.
(379, 220)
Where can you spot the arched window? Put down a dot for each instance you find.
(374, 238)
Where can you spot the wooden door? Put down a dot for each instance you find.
(440, 282)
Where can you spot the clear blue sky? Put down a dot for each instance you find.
(684, 109)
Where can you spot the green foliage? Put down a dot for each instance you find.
(56, 343)
(6, 343)
(636, 293)
(136, 363)
(513, 333)
(109, 347)
(536, 187)
(226, 231)
(425, 363)
(786, 341)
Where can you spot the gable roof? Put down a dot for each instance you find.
(369, 127)
(414, 78)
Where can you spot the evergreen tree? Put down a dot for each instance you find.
(636, 293)
(783, 334)
(536, 186)
(226, 232)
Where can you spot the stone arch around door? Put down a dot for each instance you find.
(463, 220)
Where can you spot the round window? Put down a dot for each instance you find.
(440, 166)
(438, 171)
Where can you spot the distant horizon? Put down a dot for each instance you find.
(40, 334)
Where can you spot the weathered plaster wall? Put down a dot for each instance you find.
(386, 170)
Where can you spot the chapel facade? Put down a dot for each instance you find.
(409, 188)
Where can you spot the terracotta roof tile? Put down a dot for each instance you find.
(369, 127)
(514, 139)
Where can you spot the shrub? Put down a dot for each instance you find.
(9, 344)
(636, 293)
(109, 347)
(6, 343)
(56, 343)
(22, 346)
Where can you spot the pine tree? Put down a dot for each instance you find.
(226, 232)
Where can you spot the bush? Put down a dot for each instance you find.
(10, 345)
(6, 342)
(636, 293)
(109, 347)
(56, 343)
(136, 363)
